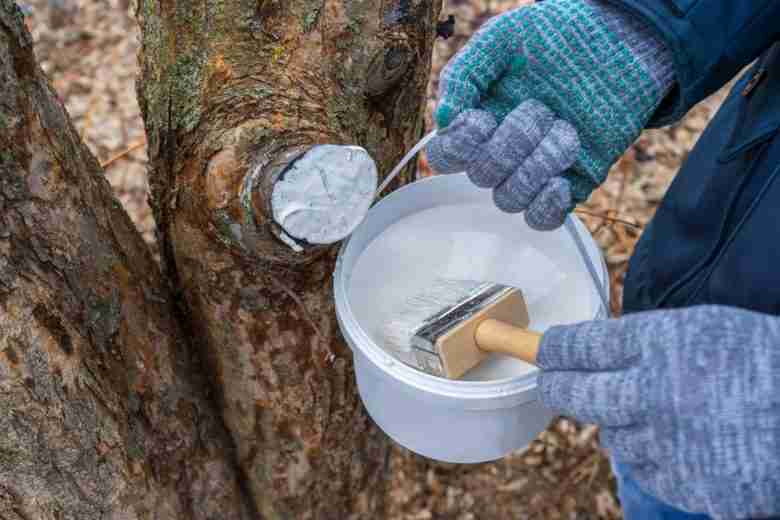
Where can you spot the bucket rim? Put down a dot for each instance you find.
(523, 385)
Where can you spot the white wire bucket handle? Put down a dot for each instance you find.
(401, 165)
(601, 288)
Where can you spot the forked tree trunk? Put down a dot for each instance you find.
(231, 92)
(102, 410)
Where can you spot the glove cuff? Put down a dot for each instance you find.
(645, 43)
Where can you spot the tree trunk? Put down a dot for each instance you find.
(232, 93)
(102, 410)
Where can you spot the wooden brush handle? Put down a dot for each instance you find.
(497, 336)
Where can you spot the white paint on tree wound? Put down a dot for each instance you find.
(325, 194)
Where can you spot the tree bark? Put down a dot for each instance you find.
(232, 92)
(102, 410)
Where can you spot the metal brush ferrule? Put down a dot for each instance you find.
(425, 338)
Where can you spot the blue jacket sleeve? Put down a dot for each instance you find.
(711, 41)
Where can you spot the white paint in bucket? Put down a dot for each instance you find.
(445, 226)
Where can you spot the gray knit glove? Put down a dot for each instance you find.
(689, 399)
(521, 160)
(586, 62)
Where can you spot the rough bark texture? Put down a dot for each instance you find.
(102, 413)
(231, 91)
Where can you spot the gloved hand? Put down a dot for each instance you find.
(688, 399)
(591, 64)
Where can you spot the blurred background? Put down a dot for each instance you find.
(88, 48)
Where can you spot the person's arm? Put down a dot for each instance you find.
(710, 41)
(688, 399)
(543, 99)
(602, 67)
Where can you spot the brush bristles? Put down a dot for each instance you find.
(432, 304)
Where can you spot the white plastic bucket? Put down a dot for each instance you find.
(461, 421)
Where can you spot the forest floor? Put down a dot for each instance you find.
(89, 53)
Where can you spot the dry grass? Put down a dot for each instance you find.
(563, 474)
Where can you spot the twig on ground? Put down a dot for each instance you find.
(608, 218)
(135, 146)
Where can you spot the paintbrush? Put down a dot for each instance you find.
(453, 325)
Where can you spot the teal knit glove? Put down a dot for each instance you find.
(592, 64)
